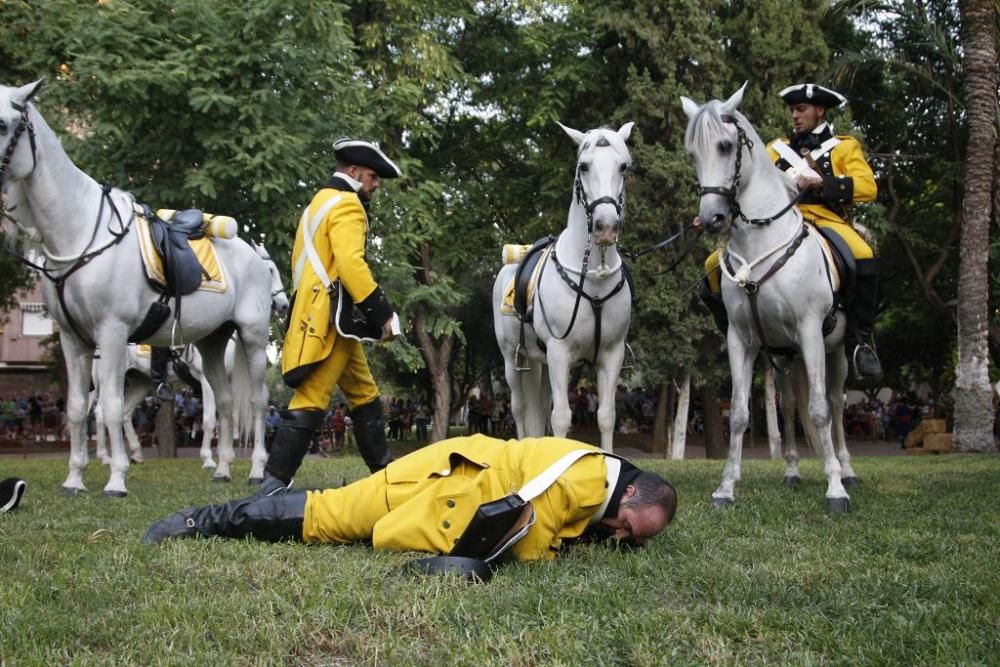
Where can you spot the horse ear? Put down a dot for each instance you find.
(625, 130)
(24, 94)
(733, 102)
(575, 135)
(691, 107)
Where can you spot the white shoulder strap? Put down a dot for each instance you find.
(824, 147)
(538, 485)
(309, 248)
(799, 165)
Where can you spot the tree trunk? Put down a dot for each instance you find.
(660, 439)
(166, 435)
(437, 358)
(715, 445)
(679, 440)
(771, 410)
(973, 393)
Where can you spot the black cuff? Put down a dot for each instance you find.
(376, 307)
(838, 189)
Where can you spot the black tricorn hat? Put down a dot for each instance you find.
(812, 93)
(365, 154)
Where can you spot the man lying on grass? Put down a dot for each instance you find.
(426, 500)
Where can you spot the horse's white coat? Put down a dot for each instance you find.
(792, 303)
(109, 296)
(602, 160)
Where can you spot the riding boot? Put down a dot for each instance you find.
(369, 431)
(158, 359)
(715, 306)
(291, 443)
(270, 518)
(860, 343)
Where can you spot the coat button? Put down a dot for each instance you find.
(315, 288)
(311, 330)
(450, 503)
(446, 524)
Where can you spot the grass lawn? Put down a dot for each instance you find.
(911, 576)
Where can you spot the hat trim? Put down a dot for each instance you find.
(352, 143)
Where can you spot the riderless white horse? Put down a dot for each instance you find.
(582, 301)
(139, 383)
(96, 290)
(778, 289)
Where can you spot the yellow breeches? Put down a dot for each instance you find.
(347, 368)
(347, 514)
(859, 248)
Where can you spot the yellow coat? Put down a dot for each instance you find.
(339, 239)
(845, 159)
(424, 501)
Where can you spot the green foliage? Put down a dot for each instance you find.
(908, 577)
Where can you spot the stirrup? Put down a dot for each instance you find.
(629, 358)
(521, 362)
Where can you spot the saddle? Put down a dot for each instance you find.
(843, 261)
(181, 268)
(524, 277)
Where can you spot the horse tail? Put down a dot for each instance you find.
(243, 414)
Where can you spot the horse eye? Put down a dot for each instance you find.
(584, 167)
(624, 167)
(725, 146)
(3, 127)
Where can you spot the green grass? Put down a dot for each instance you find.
(911, 576)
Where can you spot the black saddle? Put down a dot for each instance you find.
(181, 267)
(844, 261)
(522, 277)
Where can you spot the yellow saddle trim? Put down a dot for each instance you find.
(207, 254)
(507, 306)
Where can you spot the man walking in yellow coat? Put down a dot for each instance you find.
(426, 500)
(329, 269)
(832, 174)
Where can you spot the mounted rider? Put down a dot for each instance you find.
(831, 173)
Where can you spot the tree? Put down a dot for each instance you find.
(973, 393)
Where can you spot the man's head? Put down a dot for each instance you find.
(808, 103)
(365, 163)
(647, 506)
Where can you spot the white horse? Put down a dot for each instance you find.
(778, 289)
(581, 311)
(139, 383)
(96, 290)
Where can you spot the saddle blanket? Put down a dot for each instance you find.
(207, 254)
(828, 251)
(507, 306)
(143, 350)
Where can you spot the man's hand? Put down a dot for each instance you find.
(696, 223)
(390, 329)
(810, 182)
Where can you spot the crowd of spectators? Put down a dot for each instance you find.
(32, 414)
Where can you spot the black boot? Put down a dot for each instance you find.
(158, 359)
(715, 306)
(859, 342)
(271, 518)
(369, 430)
(291, 443)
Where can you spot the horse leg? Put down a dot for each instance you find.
(136, 388)
(101, 429)
(609, 368)
(741, 358)
(788, 406)
(814, 357)
(836, 369)
(111, 370)
(79, 362)
(559, 360)
(518, 402)
(249, 366)
(213, 351)
(208, 422)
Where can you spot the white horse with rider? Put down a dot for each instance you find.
(579, 301)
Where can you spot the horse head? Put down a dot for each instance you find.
(17, 158)
(718, 142)
(279, 300)
(602, 160)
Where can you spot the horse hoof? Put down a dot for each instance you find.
(71, 491)
(255, 481)
(208, 465)
(838, 505)
(722, 503)
(137, 461)
(221, 478)
(115, 494)
(849, 482)
(791, 480)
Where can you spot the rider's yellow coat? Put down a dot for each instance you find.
(427, 498)
(339, 238)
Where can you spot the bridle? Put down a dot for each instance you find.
(23, 123)
(731, 194)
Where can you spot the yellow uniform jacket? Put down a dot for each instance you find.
(338, 226)
(429, 497)
(847, 179)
